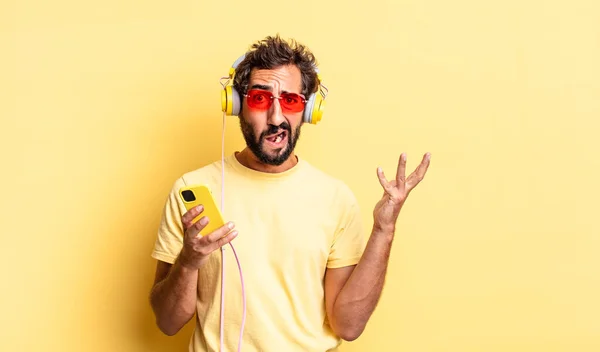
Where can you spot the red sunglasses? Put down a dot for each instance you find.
(263, 99)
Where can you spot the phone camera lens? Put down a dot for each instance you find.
(188, 196)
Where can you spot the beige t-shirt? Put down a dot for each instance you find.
(292, 227)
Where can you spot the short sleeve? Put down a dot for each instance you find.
(349, 241)
(169, 241)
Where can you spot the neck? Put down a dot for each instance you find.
(249, 160)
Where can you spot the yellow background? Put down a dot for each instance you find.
(104, 104)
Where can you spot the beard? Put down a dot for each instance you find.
(256, 144)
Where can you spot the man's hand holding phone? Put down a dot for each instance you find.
(197, 248)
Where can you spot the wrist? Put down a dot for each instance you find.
(384, 232)
(184, 263)
(384, 229)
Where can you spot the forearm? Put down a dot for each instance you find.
(174, 298)
(359, 296)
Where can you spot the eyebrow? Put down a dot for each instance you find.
(268, 88)
(261, 86)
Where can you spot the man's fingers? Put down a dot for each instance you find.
(190, 215)
(220, 232)
(195, 229)
(382, 180)
(218, 238)
(420, 172)
(224, 240)
(401, 172)
(422, 168)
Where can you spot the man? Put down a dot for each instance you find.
(310, 278)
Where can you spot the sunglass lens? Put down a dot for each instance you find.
(260, 100)
(292, 102)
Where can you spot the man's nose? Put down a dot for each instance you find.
(275, 116)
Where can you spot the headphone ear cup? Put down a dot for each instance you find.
(313, 111)
(308, 109)
(236, 102)
(230, 101)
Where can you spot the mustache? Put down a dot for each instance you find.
(272, 129)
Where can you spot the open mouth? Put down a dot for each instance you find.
(278, 138)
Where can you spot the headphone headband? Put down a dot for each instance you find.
(237, 62)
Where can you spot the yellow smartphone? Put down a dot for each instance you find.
(201, 195)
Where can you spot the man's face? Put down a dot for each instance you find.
(268, 132)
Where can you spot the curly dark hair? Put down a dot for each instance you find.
(273, 52)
